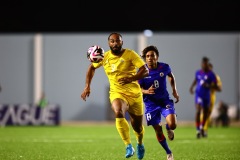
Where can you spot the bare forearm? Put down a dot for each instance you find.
(172, 81)
(143, 72)
(217, 88)
(193, 84)
(89, 75)
(173, 84)
(144, 91)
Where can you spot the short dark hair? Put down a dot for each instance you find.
(205, 59)
(114, 33)
(149, 48)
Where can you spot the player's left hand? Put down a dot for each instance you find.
(125, 80)
(175, 95)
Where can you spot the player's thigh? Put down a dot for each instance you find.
(168, 111)
(135, 105)
(119, 102)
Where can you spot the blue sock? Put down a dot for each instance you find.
(167, 127)
(165, 146)
(162, 140)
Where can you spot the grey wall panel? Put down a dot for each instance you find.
(16, 71)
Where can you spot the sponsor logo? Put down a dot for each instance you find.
(148, 77)
(24, 114)
(168, 106)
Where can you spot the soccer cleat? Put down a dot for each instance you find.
(170, 157)
(205, 134)
(170, 134)
(198, 135)
(129, 151)
(140, 151)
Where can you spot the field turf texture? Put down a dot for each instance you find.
(102, 142)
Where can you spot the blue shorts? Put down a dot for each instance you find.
(202, 101)
(154, 111)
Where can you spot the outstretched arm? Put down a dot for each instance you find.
(142, 72)
(173, 85)
(89, 76)
(192, 86)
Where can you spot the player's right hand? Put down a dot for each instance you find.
(191, 90)
(150, 90)
(85, 93)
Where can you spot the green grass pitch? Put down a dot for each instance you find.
(102, 142)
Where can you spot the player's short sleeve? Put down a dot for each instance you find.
(136, 59)
(97, 65)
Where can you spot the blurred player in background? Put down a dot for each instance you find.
(204, 80)
(212, 99)
(156, 97)
(121, 67)
(43, 102)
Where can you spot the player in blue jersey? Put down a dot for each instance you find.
(204, 80)
(156, 97)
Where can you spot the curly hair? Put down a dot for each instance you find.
(149, 48)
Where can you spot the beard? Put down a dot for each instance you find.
(116, 50)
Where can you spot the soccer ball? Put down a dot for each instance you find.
(95, 54)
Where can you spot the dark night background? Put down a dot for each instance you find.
(91, 16)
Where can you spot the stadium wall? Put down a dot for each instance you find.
(65, 65)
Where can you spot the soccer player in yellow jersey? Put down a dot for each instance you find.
(212, 98)
(123, 67)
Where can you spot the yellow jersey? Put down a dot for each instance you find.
(117, 67)
(213, 91)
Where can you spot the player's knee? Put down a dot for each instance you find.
(172, 126)
(119, 114)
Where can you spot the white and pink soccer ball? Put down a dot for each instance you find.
(95, 53)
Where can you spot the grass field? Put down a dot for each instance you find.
(102, 142)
